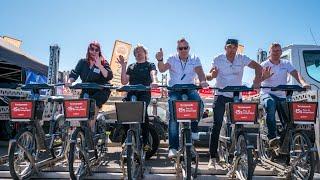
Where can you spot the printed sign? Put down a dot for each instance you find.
(187, 110)
(206, 93)
(249, 93)
(304, 111)
(21, 109)
(120, 48)
(156, 92)
(244, 112)
(76, 108)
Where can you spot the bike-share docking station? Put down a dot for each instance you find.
(113, 164)
(112, 161)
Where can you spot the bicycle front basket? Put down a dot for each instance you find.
(130, 112)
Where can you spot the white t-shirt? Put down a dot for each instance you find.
(279, 77)
(229, 74)
(180, 72)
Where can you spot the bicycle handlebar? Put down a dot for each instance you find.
(137, 87)
(285, 88)
(91, 86)
(180, 87)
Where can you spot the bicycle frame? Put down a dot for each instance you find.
(185, 131)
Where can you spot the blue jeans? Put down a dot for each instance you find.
(272, 103)
(173, 124)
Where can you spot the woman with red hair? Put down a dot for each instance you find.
(94, 68)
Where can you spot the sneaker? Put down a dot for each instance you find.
(195, 136)
(172, 153)
(212, 163)
(273, 143)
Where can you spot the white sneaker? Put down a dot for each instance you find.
(212, 163)
(172, 153)
(195, 136)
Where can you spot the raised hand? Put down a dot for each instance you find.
(159, 55)
(121, 61)
(214, 72)
(204, 84)
(307, 86)
(267, 73)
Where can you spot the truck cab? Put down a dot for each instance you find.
(306, 59)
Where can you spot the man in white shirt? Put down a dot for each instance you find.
(228, 69)
(275, 72)
(183, 68)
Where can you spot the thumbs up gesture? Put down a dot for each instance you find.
(159, 55)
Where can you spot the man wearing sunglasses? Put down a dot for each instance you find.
(228, 69)
(183, 69)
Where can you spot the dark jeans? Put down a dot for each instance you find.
(146, 97)
(272, 103)
(173, 124)
(218, 113)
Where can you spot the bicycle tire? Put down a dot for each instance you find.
(71, 155)
(310, 156)
(12, 155)
(58, 150)
(131, 164)
(187, 154)
(245, 159)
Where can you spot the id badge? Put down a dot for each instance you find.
(96, 70)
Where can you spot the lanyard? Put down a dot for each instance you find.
(185, 64)
(183, 68)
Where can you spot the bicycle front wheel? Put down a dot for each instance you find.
(187, 154)
(245, 166)
(20, 162)
(132, 168)
(77, 163)
(302, 157)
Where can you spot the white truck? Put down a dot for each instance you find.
(306, 59)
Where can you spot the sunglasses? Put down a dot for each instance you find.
(183, 48)
(94, 49)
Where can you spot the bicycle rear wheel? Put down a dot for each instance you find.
(20, 164)
(77, 163)
(245, 166)
(302, 157)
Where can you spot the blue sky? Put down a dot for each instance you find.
(205, 24)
